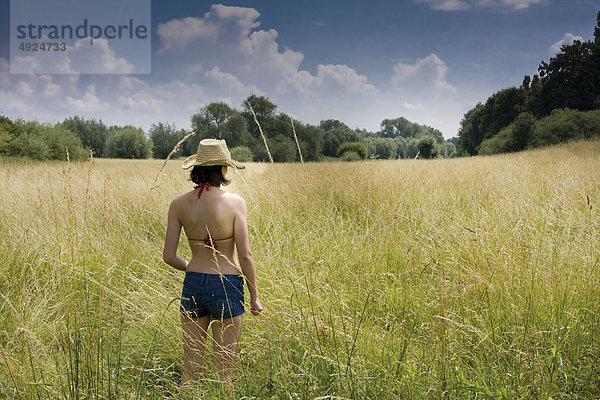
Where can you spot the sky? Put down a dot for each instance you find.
(359, 62)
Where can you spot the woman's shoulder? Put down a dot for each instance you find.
(233, 197)
(182, 198)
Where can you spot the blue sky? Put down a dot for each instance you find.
(429, 61)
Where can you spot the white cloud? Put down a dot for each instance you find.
(227, 36)
(50, 89)
(424, 72)
(262, 53)
(520, 4)
(456, 5)
(345, 77)
(568, 38)
(179, 33)
(230, 81)
(89, 103)
(330, 78)
(98, 58)
(23, 89)
(82, 57)
(411, 107)
(447, 5)
(223, 56)
(220, 22)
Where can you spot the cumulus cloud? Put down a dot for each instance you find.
(330, 77)
(89, 103)
(98, 58)
(225, 47)
(456, 5)
(568, 38)
(410, 106)
(24, 91)
(224, 55)
(261, 51)
(49, 88)
(221, 21)
(425, 72)
(230, 81)
(81, 57)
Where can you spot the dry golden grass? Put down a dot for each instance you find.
(384, 279)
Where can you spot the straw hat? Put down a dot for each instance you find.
(211, 152)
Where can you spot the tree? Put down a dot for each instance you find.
(262, 106)
(569, 80)
(333, 138)
(44, 141)
(356, 147)
(330, 124)
(427, 147)
(7, 133)
(310, 138)
(207, 122)
(242, 154)
(283, 149)
(501, 109)
(220, 121)
(60, 141)
(563, 125)
(164, 138)
(264, 110)
(383, 148)
(350, 156)
(470, 133)
(401, 127)
(128, 142)
(92, 133)
(521, 132)
(448, 149)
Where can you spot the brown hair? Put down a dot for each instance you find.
(212, 174)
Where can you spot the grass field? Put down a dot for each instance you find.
(462, 278)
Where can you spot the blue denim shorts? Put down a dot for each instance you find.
(218, 295)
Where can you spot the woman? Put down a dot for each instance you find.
(214, 222)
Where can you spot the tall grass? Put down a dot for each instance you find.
(465, 278)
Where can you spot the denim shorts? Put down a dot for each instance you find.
(218, 295)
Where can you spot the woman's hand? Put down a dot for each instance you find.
(256, 307)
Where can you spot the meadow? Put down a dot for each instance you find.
(408, 279)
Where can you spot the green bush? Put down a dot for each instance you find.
(92, 133)
(164, 138)
(7, 133)
(60, 140)
(563, 125)
(351, 156)
(283, 149)
(357, 147)
(428, 147)
(29, 146)
(514, 137)
(242, 154)
(128, 142)
(43, 141)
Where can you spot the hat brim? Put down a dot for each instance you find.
(191, 162)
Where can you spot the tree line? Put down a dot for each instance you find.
(286, 137)
(560, 103)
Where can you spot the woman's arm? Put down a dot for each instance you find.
(245, 257)
(172, 240)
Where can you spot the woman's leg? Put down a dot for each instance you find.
(226, 334)
(194, 343)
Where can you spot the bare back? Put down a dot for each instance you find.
(212, 216)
